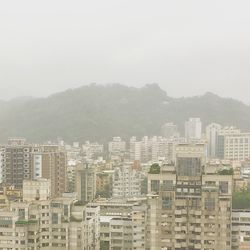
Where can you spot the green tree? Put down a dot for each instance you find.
(241, 200)
(226, 172)
(155, 169)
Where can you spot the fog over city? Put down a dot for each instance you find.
(124, 125)
(187, 47)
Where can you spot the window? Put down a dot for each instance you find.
(21, 214)
(188, 166)
(167, 185)
(58, 205)
(155, 185)
(223, 185)
(210, 204)
(167, 202)
(54, 218)
(65, 210)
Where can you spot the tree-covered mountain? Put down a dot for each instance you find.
(98, 112)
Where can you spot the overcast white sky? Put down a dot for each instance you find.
(187, 46)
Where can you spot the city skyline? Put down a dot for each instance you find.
(124, 125)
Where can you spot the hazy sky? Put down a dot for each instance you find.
(188, 47)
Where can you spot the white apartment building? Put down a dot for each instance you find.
(152, 149)
(92, 150)
(126, 182)
(193, 128)
(169, 130)
(159, 148)
(135, 149)
(117, 146)
(237, 146)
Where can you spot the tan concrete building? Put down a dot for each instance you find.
(188, 209)
(241, 229)
(16, 164)
(123, 224)
(53, 224)
(20, 161)
(50, 162)
(38, 189)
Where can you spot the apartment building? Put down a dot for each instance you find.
(169, 130)
(92, 150)
(152, 149)
(123, 224)
(188, 209)
(104, 182)
(212, 132)
(159, 148)
(21, 161)
(237, 146)
(117, 147)
(126, 182)
(50, 225)
(17, 234)
(232, 144)
(135, 149)
(51, 163)
(85, 182)
(240, 229)
(193, 128)
(16, 163)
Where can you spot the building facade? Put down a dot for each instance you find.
(188, 209)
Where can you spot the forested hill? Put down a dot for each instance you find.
(98, 112)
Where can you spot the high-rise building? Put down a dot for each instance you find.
(22, 161)
(237, 146)
(104, 183)
(92, 150)
(152, 149)
(159, 148)
(188, 209)
(126, 182)
(145, 149)
(135, 149)
(117, 147)
(233, 144)
(212, 132)
(193, 128)
(50, 162)
(85, 182)
(16, 163)
(224, 133)
(169, 130)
